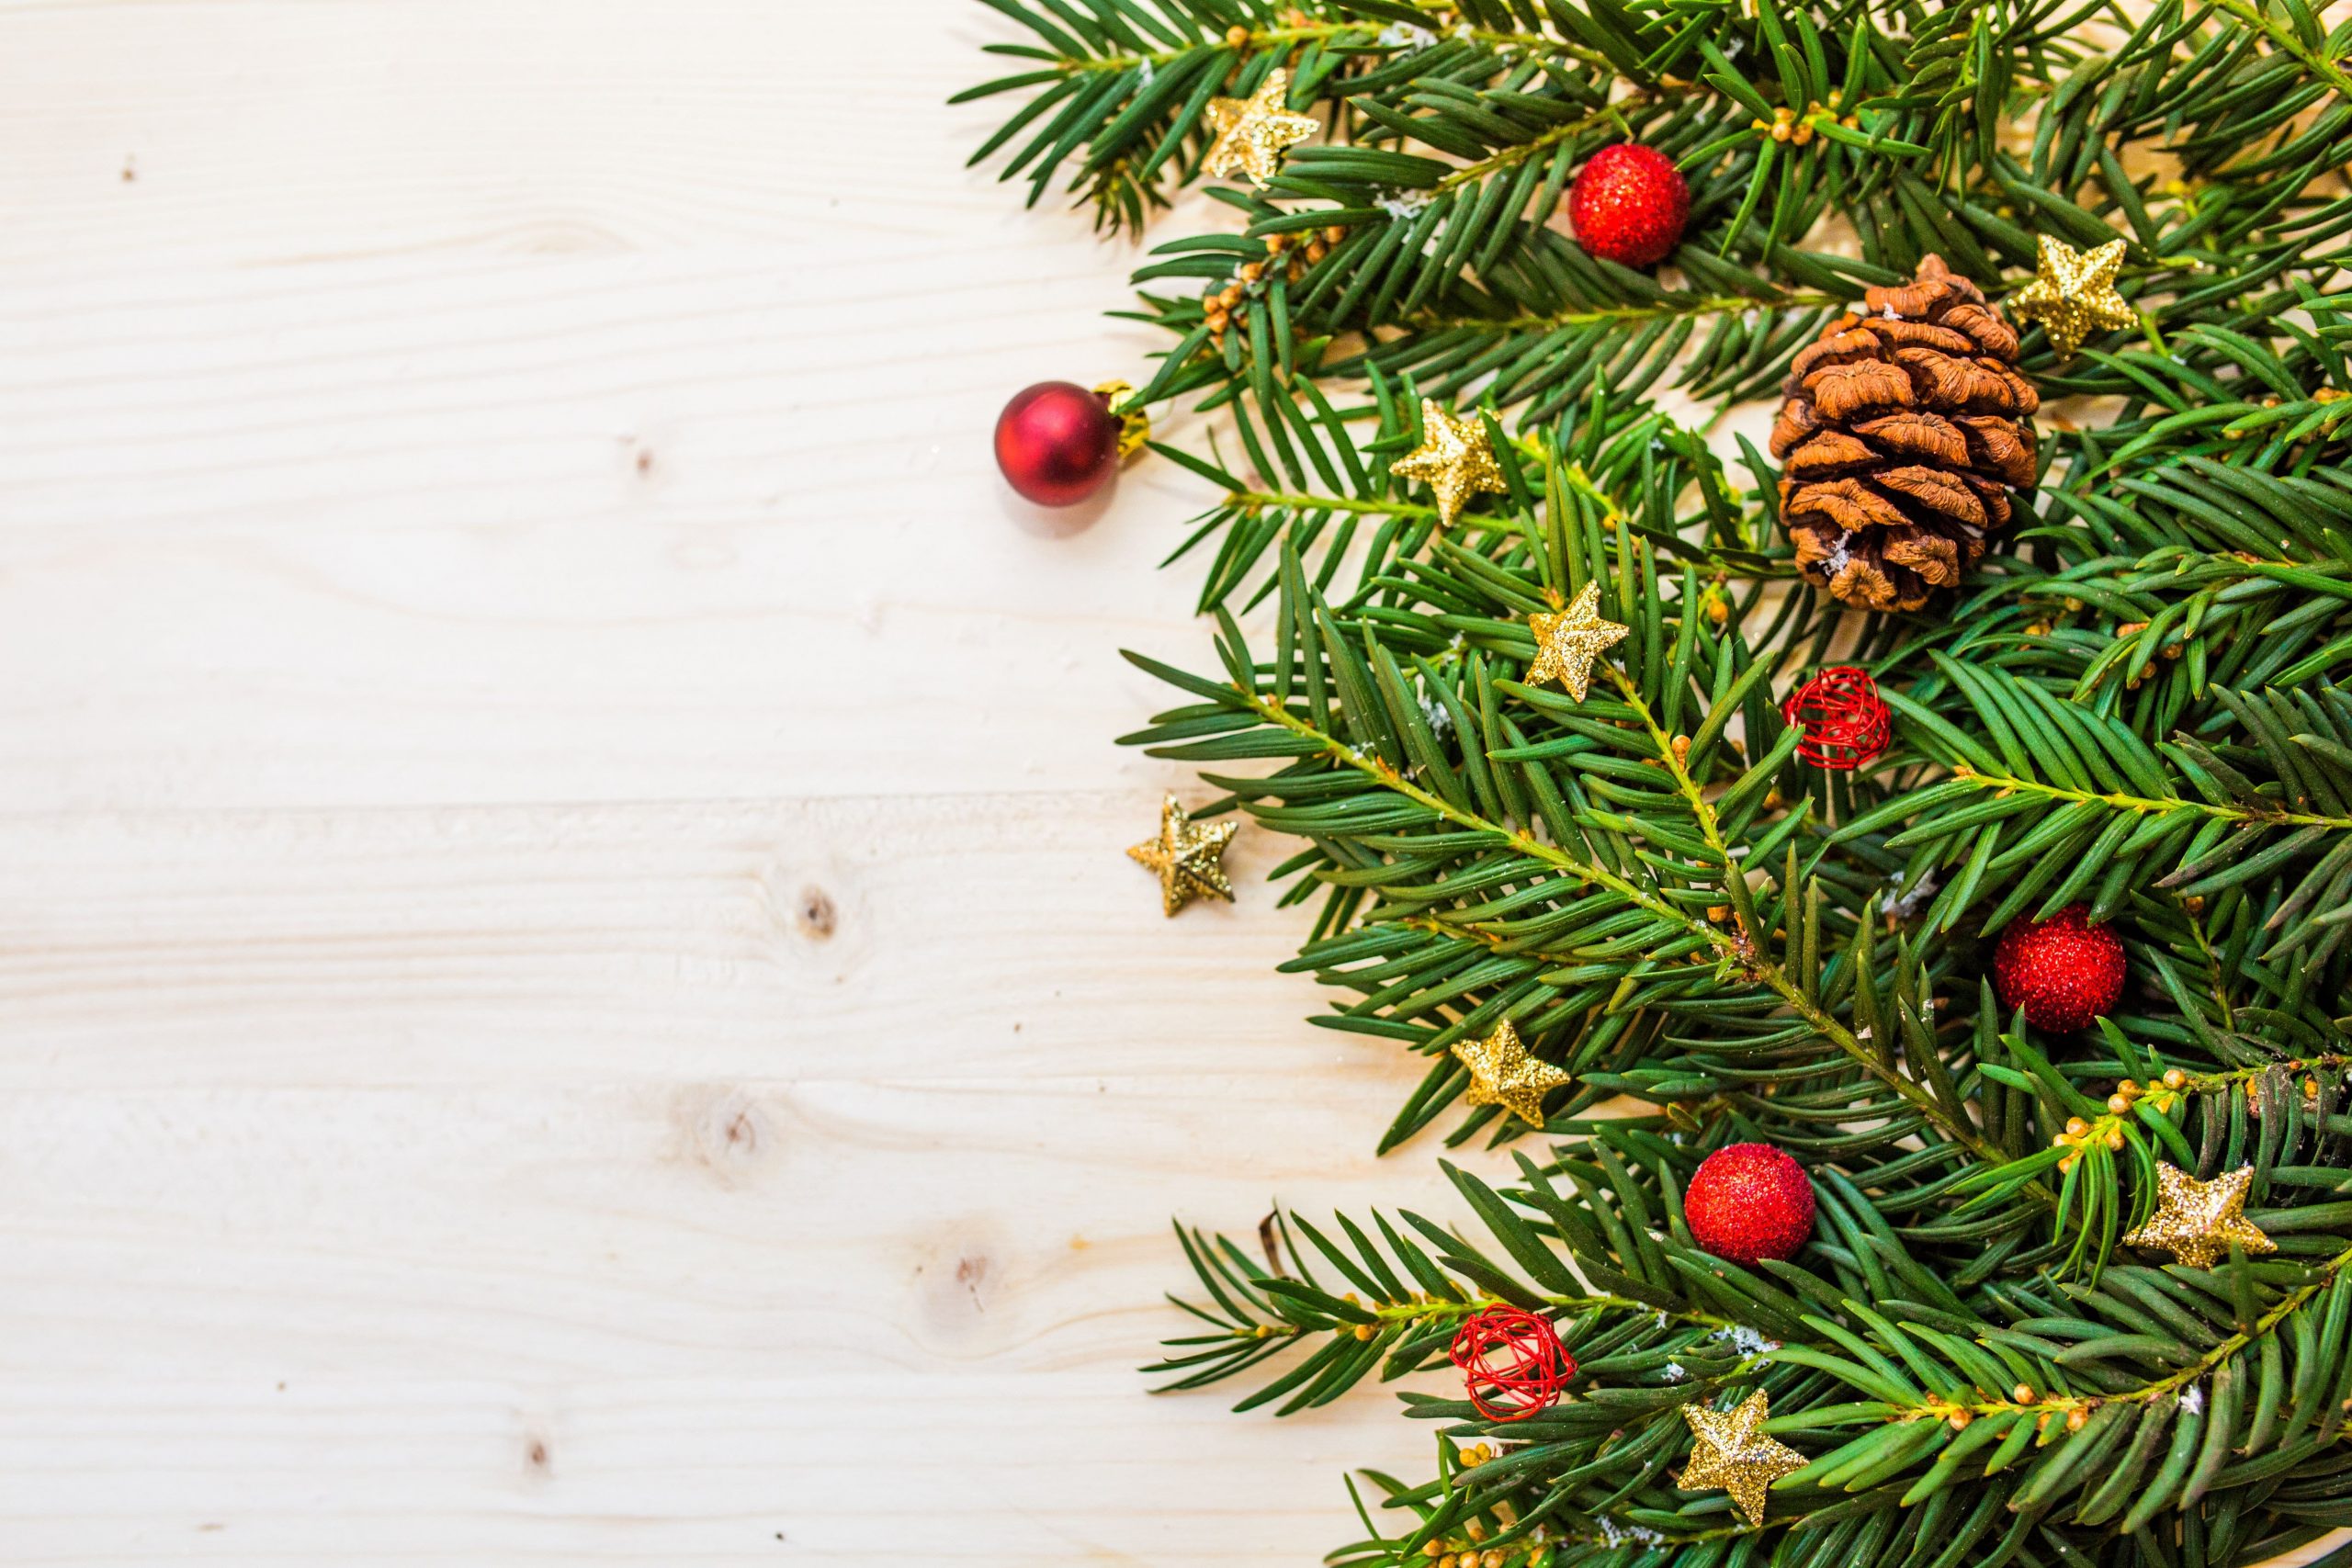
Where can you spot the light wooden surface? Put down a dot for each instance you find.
(567, 987)
(568, 990)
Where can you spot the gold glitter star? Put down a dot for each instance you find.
(1251, 132)
(1566, 644)
(2074, 292)
(1733, 1453)
(1453, 459)
(2196, 1221)
(1502, 1073)
(1186, 857)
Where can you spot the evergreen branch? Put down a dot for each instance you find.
(2169, 1385)
(1863, 1319)
(1511, 156)
(1748, 946)
(2130, 708)
(2233, 812)
(2282, 37)
(1240, 37)
(1631, 471)
(1586, 873)
(1742, 950)
(1643, 311)
(2087, 808)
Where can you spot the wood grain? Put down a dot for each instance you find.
(567, 991)
(635, 1182)
(570, 990)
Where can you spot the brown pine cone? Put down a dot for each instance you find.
(1906, 427)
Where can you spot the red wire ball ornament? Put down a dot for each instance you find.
(1750, 1201)
(1058, 443)
(1843, 721)
(2064, 971)
(1629, 205)
(1513, 1364)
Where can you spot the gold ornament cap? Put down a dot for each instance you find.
(1188, 857)
(1135, 425)
(1732, 1453)
(2196, 1221)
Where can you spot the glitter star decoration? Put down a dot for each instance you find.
(1734, 1453)
(1188, 858)
(1252, 132)
(1566, 644)
(1502, 1073)
(2196, 1221)
(1453, 460)
(2073, 293)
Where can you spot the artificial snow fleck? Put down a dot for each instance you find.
(1440, 717)
(1888, 312)
(1745, 1340)
(1674, 1372)
(1902, 900)
(2194, 1400)
(1661, 1320)
(1404, 35)
(1863, 1032)
(1616, 1534)
(1839, 556)
(1405, 205)
(1144, 73)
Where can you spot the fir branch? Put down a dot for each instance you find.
(2129, 707)
(1928, 1369)
(2281, 36)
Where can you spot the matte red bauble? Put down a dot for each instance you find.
(1843, 721)
(1629, 204)
(2065, 971)
(1058, 443)
(1513, 1364)
(1749, 1202)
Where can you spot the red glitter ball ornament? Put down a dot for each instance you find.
(1058, 443)
(1629, 204)
(1513, 1364)
(2065, 971)
(1844, 719)
(1747, 1202)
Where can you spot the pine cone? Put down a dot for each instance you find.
(1906, 427)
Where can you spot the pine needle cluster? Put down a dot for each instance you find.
(2141, 702)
